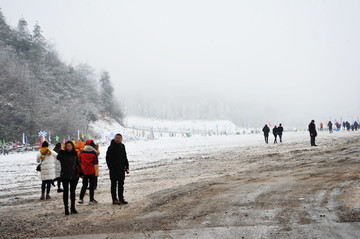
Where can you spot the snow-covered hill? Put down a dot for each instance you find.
(182, 126)
(145, 128)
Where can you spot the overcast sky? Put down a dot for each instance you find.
(287, 59)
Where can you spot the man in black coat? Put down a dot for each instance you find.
(280, 132)
(118, 164)
(330, 125)
(313, 133)
(266, 131)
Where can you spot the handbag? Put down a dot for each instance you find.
(38, 168)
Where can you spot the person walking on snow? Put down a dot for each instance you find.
(280, 132)
(266, 131)
(348, 126)
(70, 171)
(313, 133)
(275, 133)
(46, 157)
(330, 125)
(118, 164)
(321, 126)
(88, 159)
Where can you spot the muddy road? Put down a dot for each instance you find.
(282, 191)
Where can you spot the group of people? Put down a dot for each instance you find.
(277, 131)
(346, 125)
(69, 162)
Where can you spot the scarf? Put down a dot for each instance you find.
(44, 151)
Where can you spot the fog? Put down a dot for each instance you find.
(247, 61)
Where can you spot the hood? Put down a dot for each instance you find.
(89, 148)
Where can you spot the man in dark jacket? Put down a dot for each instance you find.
(330, 125)
(266, 131)
(313, 133)
(280, 132)
(275, 133)
(118, 164)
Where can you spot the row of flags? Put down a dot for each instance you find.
(44, 136)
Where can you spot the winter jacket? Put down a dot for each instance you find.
(266, 130)
(312, 129)
(47, 166)
(116, 160)
(57, 169)
(330, 125)
(88, 159)
(79, 147)
(70, 164)
(275, 131)
(280, 130)
(57, 164)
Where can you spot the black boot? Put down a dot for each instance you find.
(73, 210)
(66, 210)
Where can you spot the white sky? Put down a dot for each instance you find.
(291, 59)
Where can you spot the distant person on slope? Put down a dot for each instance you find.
(330, 125)
(46, 157)
(313, 133)
(321, 126)
(348, 126)
(275, 133)
(118, 164)
(58, 168)
(356, 125)
(88, 159)
(280, 132)
(266, 131)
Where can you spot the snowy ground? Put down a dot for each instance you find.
(203, 187)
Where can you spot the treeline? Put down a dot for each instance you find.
(40, 92)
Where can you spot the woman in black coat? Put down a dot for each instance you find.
(70, 172)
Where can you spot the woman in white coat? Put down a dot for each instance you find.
(46, 157)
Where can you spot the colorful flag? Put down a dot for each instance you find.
(69, 137)
(89, 136)
(64, 141)
(82, 136)
(23, 139)
(78, 134)
(16, 145)
(4, 142)
(41, 141)
(57, 138)
(26, 139)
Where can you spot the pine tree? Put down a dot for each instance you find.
(106, 92)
